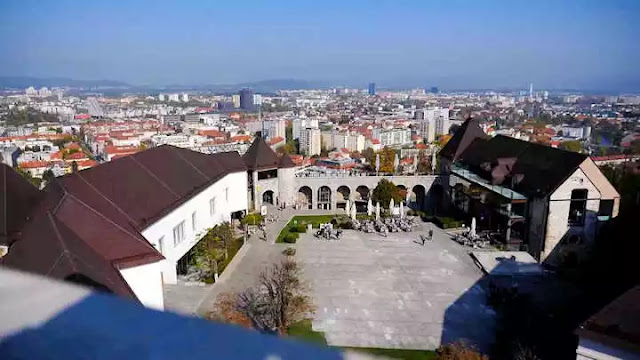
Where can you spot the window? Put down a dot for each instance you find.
(212, 206)
(178, 234)
(161, 245)
(193, 221)
(226, 194)
(578, 207)
(606, 208)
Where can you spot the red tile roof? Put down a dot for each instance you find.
(76, 156)
(212, 133)
(276, 140)
(33, 164)
(241, 138)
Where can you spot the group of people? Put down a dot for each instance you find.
(429, 237)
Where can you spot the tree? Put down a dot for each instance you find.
(572, 145)
(387, 157)
(279, 299)
(634, 148)
(459, 350)
(209, 252)
(385, 191)
(370, 156)
(27, 176)
(225, 310)
(213, 248)
(424, 163)
(47, 176)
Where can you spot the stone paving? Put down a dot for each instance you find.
(372, 291)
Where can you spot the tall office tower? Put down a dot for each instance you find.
(531, 91)
(246, 99)
(372, 89)
(185, 97)
(310, 141)
(235, 99)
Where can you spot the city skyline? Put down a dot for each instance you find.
(459, 45)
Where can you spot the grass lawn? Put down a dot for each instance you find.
(302, 330)
(315, 220)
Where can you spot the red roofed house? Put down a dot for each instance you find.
(120, 151)
(213, 134)
(124, 226)
(35, 168)
(276, 142)
(241, 138)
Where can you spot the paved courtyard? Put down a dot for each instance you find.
(372, 291)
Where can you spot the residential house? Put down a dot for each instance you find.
(540, 199)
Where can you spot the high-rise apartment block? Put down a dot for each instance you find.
(310, 141)
(298, 126)
(351, 141)
(432, 123)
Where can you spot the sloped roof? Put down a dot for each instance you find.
(537, 169)
(18, 197)
(147, 185)
(90, 222)
(260, 156)
(464, 136)
(50, 248)
(286, 162)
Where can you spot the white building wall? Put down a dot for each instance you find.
(235, 185)
(558, 218)
(146, 283)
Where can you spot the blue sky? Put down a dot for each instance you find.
(452, 44)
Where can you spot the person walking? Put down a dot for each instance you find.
(430, 234)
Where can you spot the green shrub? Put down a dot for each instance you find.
(291, 238)
(301, 228)
(252, 219)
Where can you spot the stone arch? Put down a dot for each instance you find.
(343, 193)
(305, 197)
(404, 192)
(267, 197)
(362, 193)
(324, 198)
(417, 197)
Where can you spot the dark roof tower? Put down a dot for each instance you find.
(260, 156)
(464, 136)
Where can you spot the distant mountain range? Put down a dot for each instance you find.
(21, 82)
(264, 86)
(26, 81)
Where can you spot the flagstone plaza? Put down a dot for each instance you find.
(393, 292)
